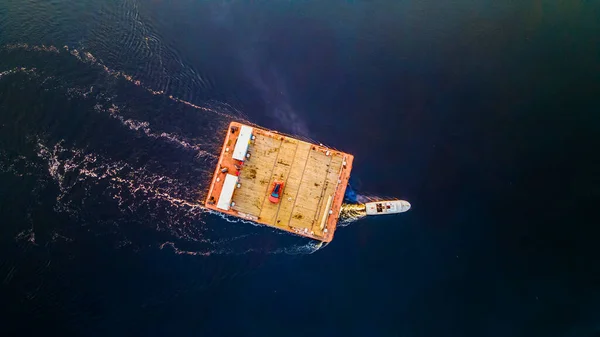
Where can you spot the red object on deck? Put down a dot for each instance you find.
(276, 191)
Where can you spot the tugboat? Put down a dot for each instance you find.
(387, 207)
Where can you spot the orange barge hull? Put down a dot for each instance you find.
(314, 181)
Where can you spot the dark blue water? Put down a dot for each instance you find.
(482, 114)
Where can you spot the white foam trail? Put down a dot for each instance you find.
(62, 162)
(113, 111)
(75, 170)
(184, 252)
(308, 248)
(87, 57)
(124, 182)
(129, 186)
(26, 235)
(27, 47)
(30, 71)
(59, 237)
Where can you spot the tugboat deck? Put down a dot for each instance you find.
(315, 180)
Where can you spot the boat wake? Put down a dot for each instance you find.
(151, 186)
(85, 56)
(138, 196)
(351, 213)
(17, 70)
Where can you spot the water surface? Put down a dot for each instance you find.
(480, 113)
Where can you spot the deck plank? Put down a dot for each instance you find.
(280, 172)
(293, 184)
(311, 188)
(329, 189)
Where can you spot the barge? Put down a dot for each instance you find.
(280, 181)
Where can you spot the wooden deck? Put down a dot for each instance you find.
(315, 182)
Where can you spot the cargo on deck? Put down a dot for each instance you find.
(312, 179)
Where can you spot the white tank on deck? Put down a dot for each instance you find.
(387, 207)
